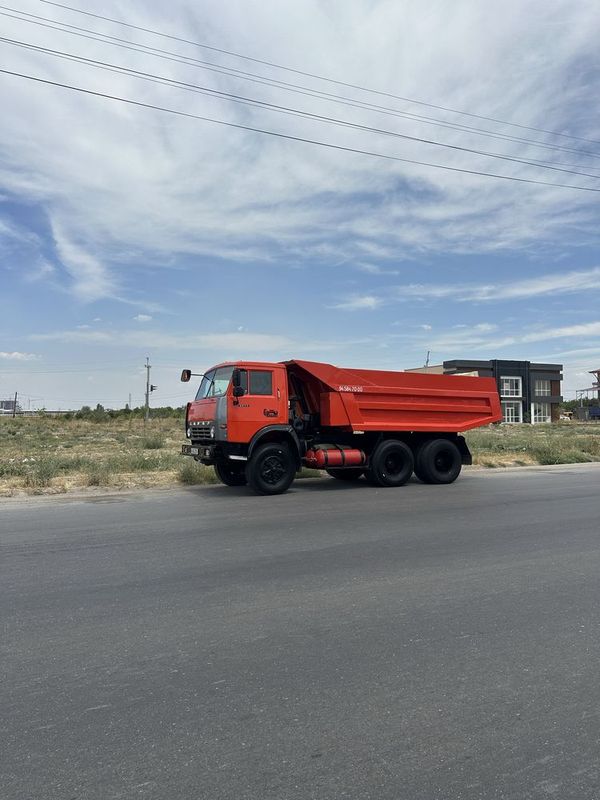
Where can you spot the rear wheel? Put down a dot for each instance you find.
(438, 461)
(230, 475)
(391, 464)
(271, 469)
(345, 474)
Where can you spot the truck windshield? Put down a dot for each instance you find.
(215, 383)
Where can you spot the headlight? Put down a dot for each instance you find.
(188, 433)
(212, 432)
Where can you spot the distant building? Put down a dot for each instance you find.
(528, 392)
(8, 407)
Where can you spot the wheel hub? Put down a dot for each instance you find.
(272, 470)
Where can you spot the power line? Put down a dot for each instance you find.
(315, 75)
(279, 135)
(254, 102)
(83, 369)
(115, 41)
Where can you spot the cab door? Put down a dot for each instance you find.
(263, 403)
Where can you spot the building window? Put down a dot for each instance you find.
(540, 412)
(543, 389)
(510, 387)
(512, 411)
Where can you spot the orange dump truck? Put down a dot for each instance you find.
(258, 423)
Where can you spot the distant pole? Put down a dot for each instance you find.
(147, 414)
(427, 359)
(129, 403)
(15, 406)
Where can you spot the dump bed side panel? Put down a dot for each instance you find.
(374, 400)
(452, 408)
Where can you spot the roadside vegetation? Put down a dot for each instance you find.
(44, 454)
(522, 445)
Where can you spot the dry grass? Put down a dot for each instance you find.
(519, 445)
(51, 455)
(47, 454)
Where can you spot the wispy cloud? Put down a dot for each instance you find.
(375, 269)
(142, 318)
(91, 279)
(126, 182)
(17, 356)
(242, 342)
(550, 284)
(576, 281)
(479, 337)
(366, 302)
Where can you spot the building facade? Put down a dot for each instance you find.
(9, 407)
(528, 392)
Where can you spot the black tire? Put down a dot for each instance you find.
(271, 469)
(391, 464)
(230, 475)
(438, 461)
(345, 474)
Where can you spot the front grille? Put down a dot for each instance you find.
(201, 431)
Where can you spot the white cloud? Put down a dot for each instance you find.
(543, 285)
(70, 337)
(121, 183)
(40, 271)
(359, 303)
(426, 327)
(91, 280)
(16, 356)
(142, 318)
(477, 337)
(242, 341)
(575, 281)
(374, 269)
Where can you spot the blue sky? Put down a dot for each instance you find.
(127, 232)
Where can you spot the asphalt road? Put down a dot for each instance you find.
(335, 642)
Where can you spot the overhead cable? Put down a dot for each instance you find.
(290, 137)
(274, 107)
(312, 74)
(180, 58)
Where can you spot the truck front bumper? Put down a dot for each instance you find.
(219, 451)
(201, 452)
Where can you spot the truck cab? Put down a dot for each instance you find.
(236, 405)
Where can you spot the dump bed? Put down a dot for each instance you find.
(377, 400)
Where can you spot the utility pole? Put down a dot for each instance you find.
(147, 414)
(427, 359)
(129, 403)
(15, 406)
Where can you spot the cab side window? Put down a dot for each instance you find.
(261, 382)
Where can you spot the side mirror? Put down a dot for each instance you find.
(239, 391)
(186, 375)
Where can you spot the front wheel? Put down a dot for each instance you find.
(271, 469)
(230, 476)
(438, 461)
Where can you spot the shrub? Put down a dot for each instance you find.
(194, 474)
(98, 475)
(40, 474)
(154, 442)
